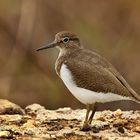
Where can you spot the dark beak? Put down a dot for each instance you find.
(51, 45)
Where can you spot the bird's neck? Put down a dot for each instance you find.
(64, 54)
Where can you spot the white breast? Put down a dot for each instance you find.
(84, 95)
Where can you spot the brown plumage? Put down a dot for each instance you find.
(96, 74)
(89, 70)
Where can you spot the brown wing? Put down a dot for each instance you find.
(93, 72)
(124, 83)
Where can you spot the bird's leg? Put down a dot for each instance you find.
(86, 126)
(87, 113)
(94, 107)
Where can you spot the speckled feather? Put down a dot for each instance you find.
(93, 72)
(88, 69)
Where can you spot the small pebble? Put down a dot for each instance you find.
(121, 129)
(137, 129)
(120, 122)
(5, 134)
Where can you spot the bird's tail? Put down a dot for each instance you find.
(135, 95)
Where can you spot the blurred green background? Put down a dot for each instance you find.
(111, 28)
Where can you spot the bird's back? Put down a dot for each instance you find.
(93, 72)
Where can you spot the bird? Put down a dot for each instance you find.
(88, 76)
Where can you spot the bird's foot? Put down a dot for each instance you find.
(86, 127)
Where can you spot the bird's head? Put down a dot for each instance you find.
(64, 40)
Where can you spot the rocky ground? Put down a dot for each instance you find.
(37, 123)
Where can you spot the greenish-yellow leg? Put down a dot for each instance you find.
(86, 126)
(88, 120)
(94, 107)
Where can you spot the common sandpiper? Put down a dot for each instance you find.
(88, 76)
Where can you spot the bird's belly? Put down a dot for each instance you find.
(84, 95)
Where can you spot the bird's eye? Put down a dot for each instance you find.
(66, 39)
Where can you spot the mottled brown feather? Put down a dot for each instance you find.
(93, 72)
